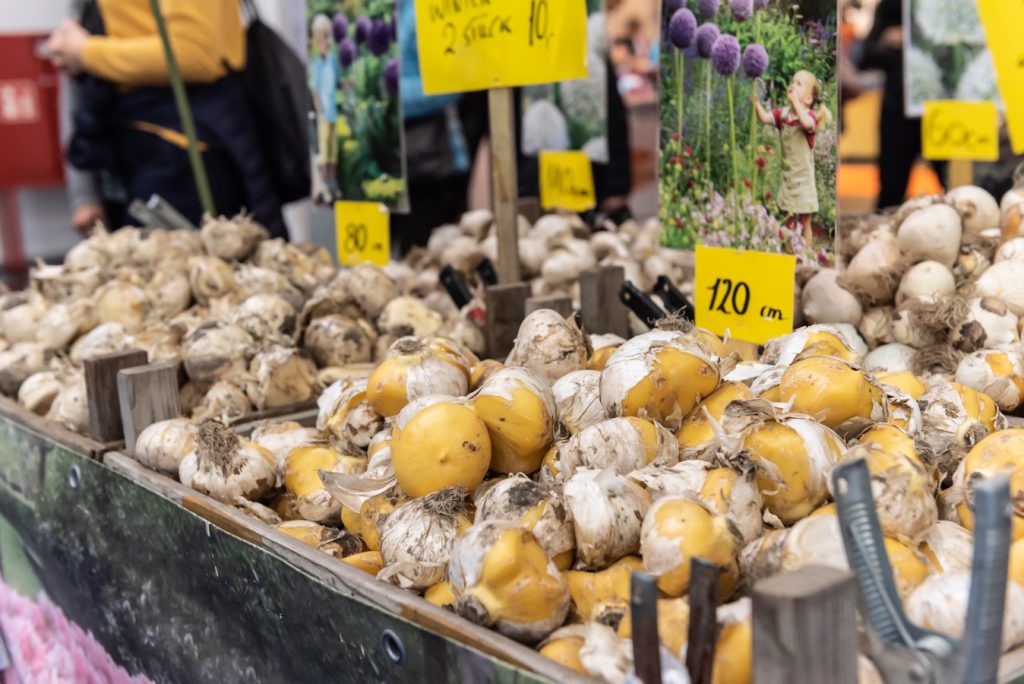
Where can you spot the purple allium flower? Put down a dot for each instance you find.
(725, 55)
(391, 76)
(363, 26)
(755, 60)
(707, 8)
(380, 37)
(682, 28)
(673, 6)
(707, 34)
(741, 9)
(760, 4)
(340, 25)
(347, 52)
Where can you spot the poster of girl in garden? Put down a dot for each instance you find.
(353, 80)
(748, 125)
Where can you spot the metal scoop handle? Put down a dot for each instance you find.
(865, 552)
(983, 628)
(456, 286)
(640, 303)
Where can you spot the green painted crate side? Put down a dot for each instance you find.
(179, 599)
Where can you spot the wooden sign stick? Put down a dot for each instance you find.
(504, 182)
(960, 173)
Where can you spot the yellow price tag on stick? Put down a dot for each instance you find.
(363, 233)
(960, 130)
(1003, 20)
(566, 181)
(479, 44)
(747, 295)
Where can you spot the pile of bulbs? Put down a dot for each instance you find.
(260, 323)
(521, 495)
(256, 323)
(935, 288)
(552, 254)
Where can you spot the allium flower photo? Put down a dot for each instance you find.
(573, 115)
(946, 57)
(354, 87)
(739, 167)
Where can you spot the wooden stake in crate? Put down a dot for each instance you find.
(563, 305)
(147, 395)
(805, 627)
(506, 308)
(603, 311)
(101, 392)
(702, 633)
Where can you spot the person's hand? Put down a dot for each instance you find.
(66, 45)
(892, 37)
(85, 218)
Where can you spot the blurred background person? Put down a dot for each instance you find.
(442, 134)
(125, 119)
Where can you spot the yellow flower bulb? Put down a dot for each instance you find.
(368, 561)
(599, 359)
(673, 624)
(904, 381)
(677, 530)
(501, 576)
(696, 433)
(734, 654)
(565, 651)
(374, 512)
(519, 411)
(797, 455)
(891, 439)
(440, 595)
(413, 369)
(442, 445)
(1017, 562)
(660, 375)
(832, 392)
(482, 371)
(603, 595)
(908, 567)
(302, 479)
(1000, 452)
(827, 509)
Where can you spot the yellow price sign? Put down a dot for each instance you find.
(363, 233)
(1002, 20)
(479, 44)
(566, 181)
(960, 130)
(748, 295)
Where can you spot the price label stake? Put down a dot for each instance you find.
(747, 295)
(479, 44)
(363, 233)
(566, 181)
(1002, 20)
(960, 130)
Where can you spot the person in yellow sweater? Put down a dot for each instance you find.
(130, 123)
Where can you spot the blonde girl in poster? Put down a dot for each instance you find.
(797, 123)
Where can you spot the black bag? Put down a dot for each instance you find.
(275, 85)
